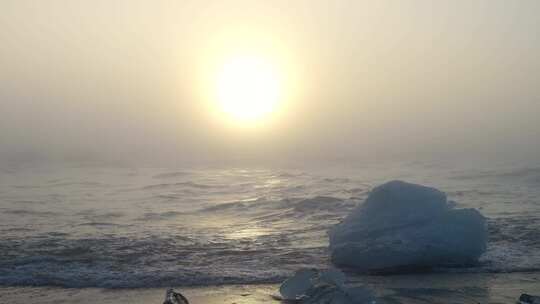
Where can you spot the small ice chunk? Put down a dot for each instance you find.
(310, 286)
(172, 297)
(295, 287)
(333, 277)
(528, 299)
(403, 226)
(325, 293)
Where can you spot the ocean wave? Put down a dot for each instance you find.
(320, 203)
(180, 184)
(98, 224)
(22, 212)
(168, 175)
(157, 229)
(531, 174)
(57, 184)
(28, 202)
(152, 216)
(149, 262)
(161, 262)
(300, 205)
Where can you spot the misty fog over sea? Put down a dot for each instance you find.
(222, 147)
(79, 226)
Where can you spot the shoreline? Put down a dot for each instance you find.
(405, 288)
(204, 294)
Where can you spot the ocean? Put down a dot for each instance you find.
(123, 227)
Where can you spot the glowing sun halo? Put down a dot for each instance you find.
(248, 88)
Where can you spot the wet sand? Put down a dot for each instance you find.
(197, 295)
(409, 289)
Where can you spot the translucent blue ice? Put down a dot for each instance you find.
(403, 226)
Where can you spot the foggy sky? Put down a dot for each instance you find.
(117, 80)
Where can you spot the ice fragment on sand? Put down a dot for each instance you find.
(528, 299)
(172, 297)
(311, 286)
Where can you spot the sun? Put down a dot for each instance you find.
(248, 88)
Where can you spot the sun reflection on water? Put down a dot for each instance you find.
(248, 233)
